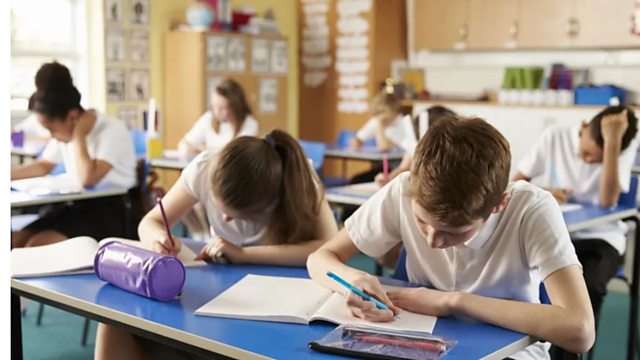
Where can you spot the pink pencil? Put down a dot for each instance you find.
(385, 165)
(419, 344)
(166, 222)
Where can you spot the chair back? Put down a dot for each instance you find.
(315, 152)
(629, 198)
(400, 273)
(344, 139)
(139, 138)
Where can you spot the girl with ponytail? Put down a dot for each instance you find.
(265, 205)
(90, 146)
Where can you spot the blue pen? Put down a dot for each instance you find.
(555, 183)
(358, 292)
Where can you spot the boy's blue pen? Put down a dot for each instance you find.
(358, 292)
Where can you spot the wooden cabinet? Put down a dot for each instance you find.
(525, 24)
(605, 23)
(546, 23)
(493, 24)
(192, 67)
(440, 24)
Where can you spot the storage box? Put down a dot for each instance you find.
(598, 95)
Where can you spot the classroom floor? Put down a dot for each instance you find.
(60, 333)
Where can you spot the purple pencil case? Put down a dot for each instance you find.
(140, 271)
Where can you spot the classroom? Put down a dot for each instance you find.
(322, 179)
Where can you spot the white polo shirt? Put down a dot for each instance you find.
(394, 131)
(203, 134)
(558, 149)
(507, 259)
(196, 180)
(109, 141)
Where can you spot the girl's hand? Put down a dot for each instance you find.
(222, 251)
(381, 179)
(163, 245)
(83, 125)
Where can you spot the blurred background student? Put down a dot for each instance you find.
(229, 117)
(83, 140)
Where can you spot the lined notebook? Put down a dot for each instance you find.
(300, 301)
(73, 256)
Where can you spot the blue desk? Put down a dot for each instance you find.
(355, 194)
(174, 322)
(364, 153)
(22, 199)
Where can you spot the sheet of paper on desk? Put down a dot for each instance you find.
(570, 207)
(48, 185)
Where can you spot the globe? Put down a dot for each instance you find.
(200, 15)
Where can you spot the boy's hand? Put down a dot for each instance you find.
(381, 180)
(366, 309)
(422, 301)
(613, 126)
(163, 245)
(561, 195)
(221, 251)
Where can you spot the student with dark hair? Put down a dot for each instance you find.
(229, 117)
(265, 205)
(479, 244)
(91, 147)
(589, 163)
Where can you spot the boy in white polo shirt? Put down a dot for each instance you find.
(589, 163)
(482, 245)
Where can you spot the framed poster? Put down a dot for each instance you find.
(115, 84)
(268, 96)
(236, 54)
(138, 85)
(260, 55)
(216, 53)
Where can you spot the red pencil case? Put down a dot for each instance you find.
(367, 343)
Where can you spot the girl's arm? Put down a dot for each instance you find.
(177, 202)
(294, 254)
(382, 142)
(34, 169)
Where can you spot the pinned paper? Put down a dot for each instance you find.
(356, 107)
(357, 53)
(354, 93)
(353, 25)
(316, 62)
(315, 46)
(314, 78)
(353, 7)
(351, 67)
(352, 80)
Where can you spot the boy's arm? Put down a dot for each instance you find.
(34, 169)
(521, 176)
(613, 129)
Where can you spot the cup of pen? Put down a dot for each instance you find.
(140, 271)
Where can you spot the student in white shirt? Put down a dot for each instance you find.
(589, 163)
(480, 244)
(229, 117)
(91, 147)
(265, 205)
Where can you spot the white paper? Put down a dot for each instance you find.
(355, 107)
(353, 93)
(115, 84)
(351, 67)
(279, 57)
(138, 85)
(320, 31)
(354, 25)
(268, 96)
(139, 11)
(315, 20)
(260, 55)
(353, 7)
(315, 46)
(139, 46)
(315, 8)
(113, 10)
(114, 45)
(236, 54)
(316, 62)
(570, 207)
(352, 53)
(48, 185)
(352, 41)
(352, 80)
(314, 78)
(216, 53)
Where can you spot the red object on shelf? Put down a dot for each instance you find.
(240, 18)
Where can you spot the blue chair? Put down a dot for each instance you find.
(314, 151)
(400, 272)
(139, 138)
(344, 139)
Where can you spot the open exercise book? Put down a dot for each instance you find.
(48, 185)
(300, 301)
(73, 256)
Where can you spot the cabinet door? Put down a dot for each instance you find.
(439, 24)
(493, 24)
(546, 23)
(605, 23)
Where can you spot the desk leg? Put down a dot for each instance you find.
(16, 328)
(633, 294)
(344, 170)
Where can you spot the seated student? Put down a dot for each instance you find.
(264, 202)
(229, 117)
(433, 115)
(589, 163)
(481, 244)
(84, 141)
(385, 124)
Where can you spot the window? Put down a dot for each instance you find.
(42, 31)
